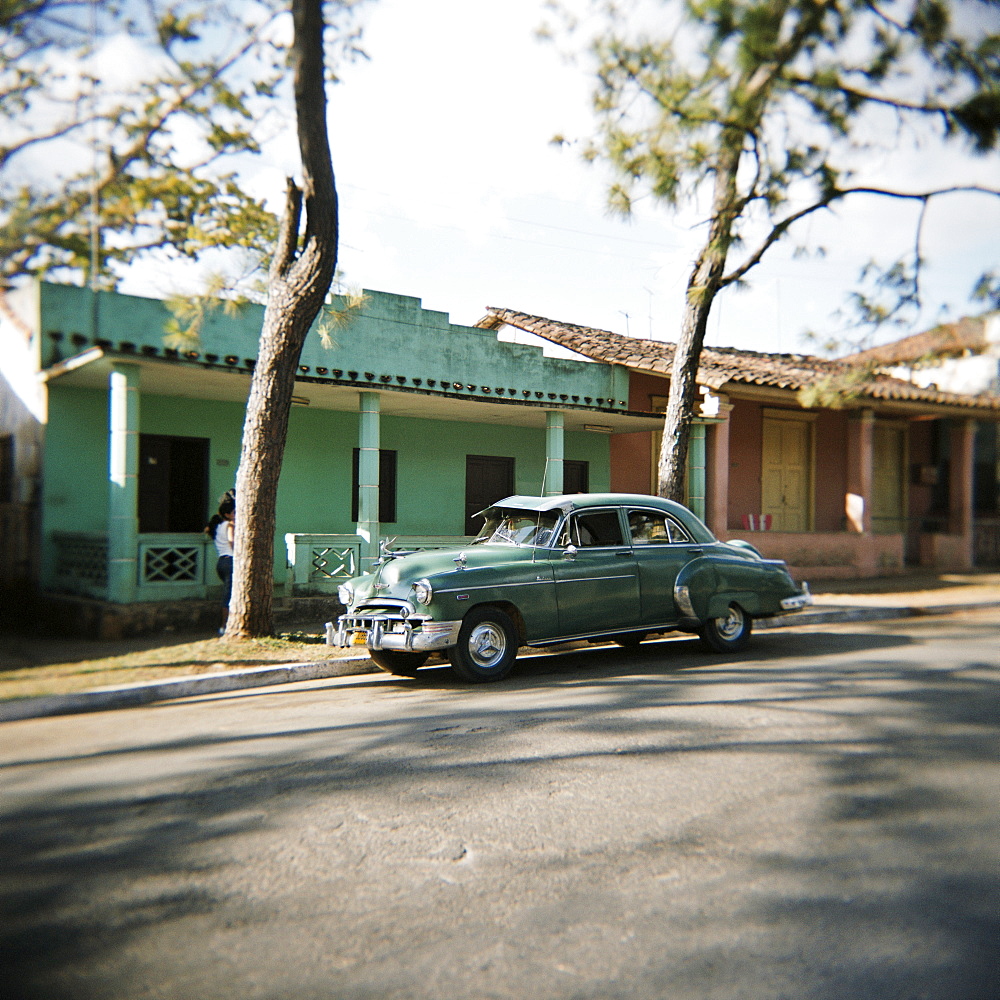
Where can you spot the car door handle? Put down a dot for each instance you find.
(625, 554)
(696, 552)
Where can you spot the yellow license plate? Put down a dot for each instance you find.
(360, 639)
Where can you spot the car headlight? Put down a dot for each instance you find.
(423, 591)
(346, 594)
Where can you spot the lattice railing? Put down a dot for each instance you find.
(81, 563)
(986, 541)
(171, 562)
(175, 566)
(183, 565)
(332, 562)
(320, 563)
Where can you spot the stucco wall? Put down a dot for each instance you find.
(631, 462)
(642, 387)
(75, 473)
(744, 461)
(314, 493)
(835, 556)
(971, 374)
(830, 472)
(391, 337)
(22, 424)
(22, 396)
(745, 458)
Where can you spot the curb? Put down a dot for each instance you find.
(144, 693)
(832, 617)
(874, 614)
(135, 695)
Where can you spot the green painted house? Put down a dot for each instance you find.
(115, 447)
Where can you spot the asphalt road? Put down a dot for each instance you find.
(816, 819)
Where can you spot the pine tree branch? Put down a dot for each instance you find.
(838, 194)
(882, 100)
(9, 152)
(286, 249)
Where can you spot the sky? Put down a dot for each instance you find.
(452, 192)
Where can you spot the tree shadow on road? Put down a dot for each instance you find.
(887, 888)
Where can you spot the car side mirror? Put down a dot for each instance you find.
(569, 552)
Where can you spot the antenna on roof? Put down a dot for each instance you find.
(538, 513)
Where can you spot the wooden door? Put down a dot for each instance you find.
(785, 473)
(889, 479)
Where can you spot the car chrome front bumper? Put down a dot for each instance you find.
(389, 631)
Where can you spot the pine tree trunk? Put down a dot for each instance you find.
(748, 101)
(703, 286)
(299, 280)
(682, 399)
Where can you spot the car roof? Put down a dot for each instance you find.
(577, 501)
(581, 501)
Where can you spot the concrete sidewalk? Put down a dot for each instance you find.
(834, 602)
(895, 597)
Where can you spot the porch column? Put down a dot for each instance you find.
(860, 472)
(368, 446)
(717, 502)
(123, 485)
(960, 482)
(554, 449)
(696, 470)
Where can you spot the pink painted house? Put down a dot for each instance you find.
(887, 481)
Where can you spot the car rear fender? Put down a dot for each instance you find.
(720, 602)
(744, 546)
(714, 582)
(693, 589)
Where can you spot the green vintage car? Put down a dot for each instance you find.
(596, 566)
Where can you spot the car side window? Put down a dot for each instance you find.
(593, 530)
(677, 532)
(649, 527)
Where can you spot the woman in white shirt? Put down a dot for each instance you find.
(220, 530)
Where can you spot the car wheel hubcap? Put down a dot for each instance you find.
(729, 627)
(487, 645)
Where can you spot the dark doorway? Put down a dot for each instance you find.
(487, 479)
(386, 486)
(173, 483)
(7, 468)
(576, 477)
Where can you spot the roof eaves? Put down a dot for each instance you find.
(722, 366)
(967, 335)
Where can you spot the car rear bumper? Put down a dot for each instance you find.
(798, 601)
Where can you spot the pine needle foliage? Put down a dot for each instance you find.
(123, 128)
(755, 111)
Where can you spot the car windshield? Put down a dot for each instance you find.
(518, 527)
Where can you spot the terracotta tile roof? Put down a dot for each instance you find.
(949, 340)
(720, 366)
